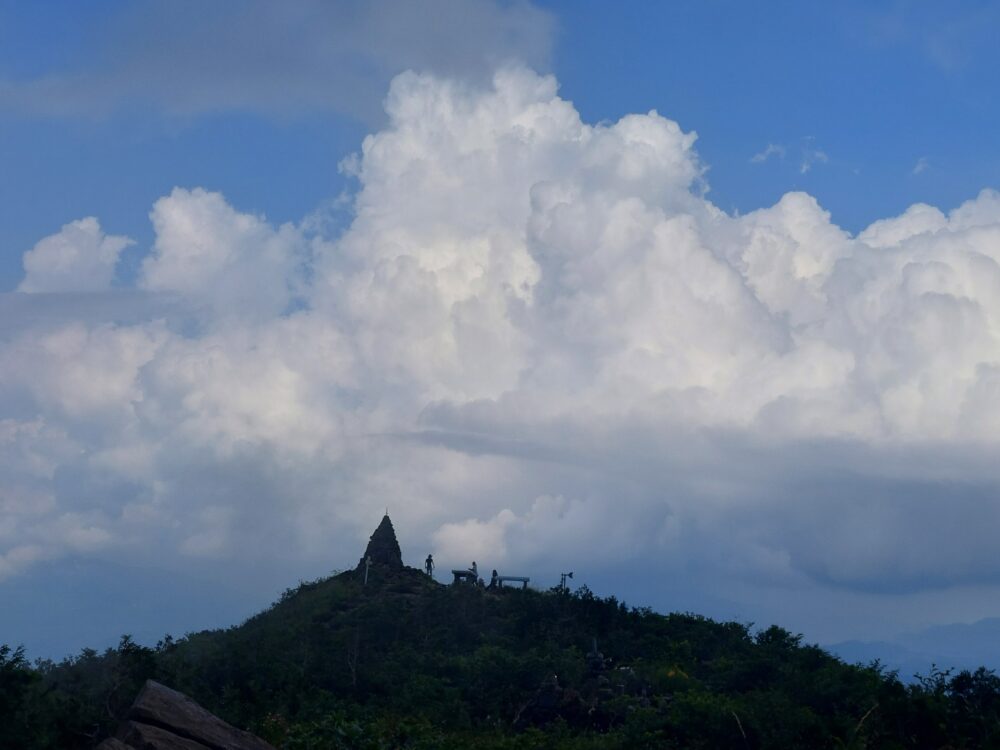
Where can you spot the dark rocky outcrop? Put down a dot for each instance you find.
(146, 737)
(163, 719)
(383, 549)
(112, 743)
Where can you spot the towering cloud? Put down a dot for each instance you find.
(537, 337)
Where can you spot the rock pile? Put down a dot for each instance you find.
(163, 719)
(383, 549)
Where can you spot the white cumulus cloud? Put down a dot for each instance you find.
(79, 258)
(537, 342)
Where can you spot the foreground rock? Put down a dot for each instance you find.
(163, 719)
(113, 744)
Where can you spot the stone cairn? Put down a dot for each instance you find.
(383, 549)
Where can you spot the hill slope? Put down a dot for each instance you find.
(406, 662)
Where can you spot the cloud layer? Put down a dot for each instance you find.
(283, 60)
(537, 342)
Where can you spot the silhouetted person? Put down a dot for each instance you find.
(493, 580)
(475, 569)
(429, 566)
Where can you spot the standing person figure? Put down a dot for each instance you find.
(429, 566)
(493, 579)
(475, 570)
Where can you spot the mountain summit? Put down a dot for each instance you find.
(396, 660)
(383, 549)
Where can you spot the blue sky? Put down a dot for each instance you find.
(266, 269)
(877, 87)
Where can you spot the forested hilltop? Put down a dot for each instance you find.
(405, 662)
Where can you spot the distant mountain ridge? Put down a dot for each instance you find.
(955, 646)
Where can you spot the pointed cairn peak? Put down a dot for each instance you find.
(383, 549)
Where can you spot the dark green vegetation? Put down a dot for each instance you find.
(407, 663)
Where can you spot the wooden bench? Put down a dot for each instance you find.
(523, 580)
